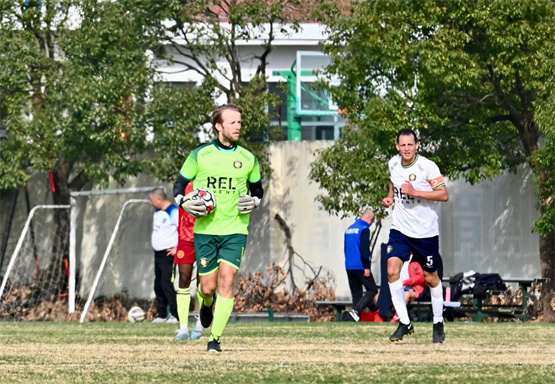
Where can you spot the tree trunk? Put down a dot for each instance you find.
(547, 241)
(56, 278)
(58, 267)
(547, 256)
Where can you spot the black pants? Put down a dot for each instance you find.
(163, 286)
(357, 280)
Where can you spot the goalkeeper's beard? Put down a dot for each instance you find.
(227, 139)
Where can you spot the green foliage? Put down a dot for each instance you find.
(257, 132)
(75, 74)
(78, 94)
(202, 37)
(176, 116)
(544, 157)
(350, 185)
(467, 75)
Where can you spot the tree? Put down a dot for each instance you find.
(469, 75)
(75, 74)
(202, 38)
(74, 78)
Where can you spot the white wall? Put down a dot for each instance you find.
(488, 227)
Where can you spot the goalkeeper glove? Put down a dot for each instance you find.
(247, 203)
(192, 204)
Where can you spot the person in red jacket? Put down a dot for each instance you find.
(413, 286)
(185, 258)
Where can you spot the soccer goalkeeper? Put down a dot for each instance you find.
(232, 173)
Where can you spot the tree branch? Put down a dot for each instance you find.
(524, 102)
(515, 115)
(291, 251)
(201, 69)
(234, 62)
(261, 70)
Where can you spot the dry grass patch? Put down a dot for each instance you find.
(275, 353)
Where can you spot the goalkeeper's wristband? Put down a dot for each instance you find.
(179, 200)
(256, 201)
(247, 204)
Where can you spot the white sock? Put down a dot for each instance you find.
(198, 325)
(437, 303)
(184, 328)
(398, 299)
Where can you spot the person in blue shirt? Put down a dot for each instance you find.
(357, 264)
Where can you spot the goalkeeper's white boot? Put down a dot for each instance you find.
(197, 331)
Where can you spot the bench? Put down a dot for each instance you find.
(341, 305)
(338, 305)
(269, 315)
(478, 310)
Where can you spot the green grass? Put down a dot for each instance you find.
(276, 353)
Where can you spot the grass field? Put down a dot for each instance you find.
(276, 353)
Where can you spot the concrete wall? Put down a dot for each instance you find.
(485, 227)
(488, 227)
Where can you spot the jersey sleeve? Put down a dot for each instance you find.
(174, 215)
(434, 176)
(254, 176)
(190, 168)
(365, 248)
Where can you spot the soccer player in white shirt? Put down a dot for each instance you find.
(416, 188)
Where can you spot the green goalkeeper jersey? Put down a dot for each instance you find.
(226, 173)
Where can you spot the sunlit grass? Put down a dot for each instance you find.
(276, 353)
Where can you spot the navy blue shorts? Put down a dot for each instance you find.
(424, 251)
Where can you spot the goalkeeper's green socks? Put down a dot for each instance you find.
(223, 310)
(206, 300)
(183, 304)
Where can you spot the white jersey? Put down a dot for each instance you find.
(164, 228)
(413, 216)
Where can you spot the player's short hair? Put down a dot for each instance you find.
(368, 212)
(217, 113)
(406, 131)
(159, 192)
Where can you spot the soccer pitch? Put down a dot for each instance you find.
(266, 352)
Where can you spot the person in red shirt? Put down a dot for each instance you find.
(413, 286)
(185, 259)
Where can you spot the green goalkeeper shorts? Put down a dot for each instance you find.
(211, 250)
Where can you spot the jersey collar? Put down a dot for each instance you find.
(411, 164)
(224, 148)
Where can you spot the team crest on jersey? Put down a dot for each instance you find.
(389, 249)
(180, 254)
(204, 262)
(237, 164)
(412, 177)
